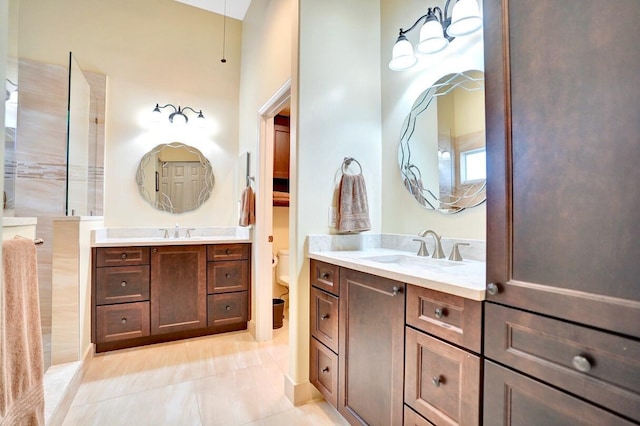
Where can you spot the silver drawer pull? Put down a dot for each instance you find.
(228, 308)
(581, 363)
(325, 370)
(395, 290)
(227, 276)
(123, 320)
(227, 252)
(493, 289)
(324, 275)
(439, 313)
(436, 381)
(123, 255)
(324, 317)
(123, 284)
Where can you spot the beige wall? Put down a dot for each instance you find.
(400, 213)
(152, 51)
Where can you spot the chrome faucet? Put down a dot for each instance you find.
(176, 233)
(437, 252)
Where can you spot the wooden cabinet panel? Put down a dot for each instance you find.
(228, 276)
(323, 371)
(122, 256)
(559, 353)
(219, 252)
(371, 362)
(281, 149)
(411, 418)
(442, 382)
(324, 318)
(122, 321)
(450, 317)
(515, 400)
(122, 284)
(325, 276)
(227, 308)
(178, 288)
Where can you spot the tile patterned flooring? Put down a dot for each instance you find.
(226, 380)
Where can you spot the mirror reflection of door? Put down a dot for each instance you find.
(183, 182)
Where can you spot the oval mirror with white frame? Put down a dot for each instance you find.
(442, 154)
(175, 178)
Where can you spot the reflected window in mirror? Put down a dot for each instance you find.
(175, 178)
(442, 144)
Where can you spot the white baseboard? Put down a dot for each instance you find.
(300, 393)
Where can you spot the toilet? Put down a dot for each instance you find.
(282, 268)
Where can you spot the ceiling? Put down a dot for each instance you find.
(235, 8)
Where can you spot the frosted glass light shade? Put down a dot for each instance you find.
(465, 18)
(402, 57)
(432, 38)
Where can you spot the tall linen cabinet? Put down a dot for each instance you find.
(562, 318)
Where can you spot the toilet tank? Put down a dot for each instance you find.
(282, 269)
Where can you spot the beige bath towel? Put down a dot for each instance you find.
(21, 359)
(353, 206)
(248, 208)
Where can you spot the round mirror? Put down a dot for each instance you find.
(175, 178)
(442, 145)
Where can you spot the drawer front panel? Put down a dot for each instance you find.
(227, 308)
(122, 256)
(449, 317)
(225, 277)
(411, 418)
(597, 366)
(122, 284)
(442, 382)
(323, 371)
(123, 321)
(228, 252)
(324, 318)
(325, 276)
(513, 399)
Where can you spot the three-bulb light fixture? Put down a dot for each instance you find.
(436, 32)
(178, 115)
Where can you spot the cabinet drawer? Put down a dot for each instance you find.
(324, 318)
(442, 382)
(449, 317)
(122, 284)
(122, 256)
(325, 276)
(123, 321)
(323, 371)
(411, 418)
(513, 399)
(227, 308)
(228, 252)
(597, 366)
(225, 277)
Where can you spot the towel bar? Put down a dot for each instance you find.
(347, 162)
(38, 241)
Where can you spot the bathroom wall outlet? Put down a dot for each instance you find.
(333, 217)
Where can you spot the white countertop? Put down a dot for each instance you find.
(465, 279)
(120, 237)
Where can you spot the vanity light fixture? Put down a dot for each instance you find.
(436, 32)
(178, 115)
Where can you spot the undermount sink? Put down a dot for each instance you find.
(412, 261)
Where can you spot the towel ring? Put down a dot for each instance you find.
(347, 162)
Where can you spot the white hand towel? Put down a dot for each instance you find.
(353, 206)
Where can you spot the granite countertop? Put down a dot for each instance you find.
(120, 237)
(466, 278)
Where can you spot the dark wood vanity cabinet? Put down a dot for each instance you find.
(563, 126)
(144, 295)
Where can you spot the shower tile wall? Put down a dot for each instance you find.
(40, 157)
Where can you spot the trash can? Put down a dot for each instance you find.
(278, 312)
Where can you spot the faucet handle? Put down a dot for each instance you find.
(166, 233)
(423, 247)
(455, 252)
(188, 234)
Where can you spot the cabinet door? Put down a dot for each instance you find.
(562, 150)
(515, 400)
(281, 152)
(178, 288)
(371, 348)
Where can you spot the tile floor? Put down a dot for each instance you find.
(226, 380)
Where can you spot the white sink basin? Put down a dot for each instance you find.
(412, 261)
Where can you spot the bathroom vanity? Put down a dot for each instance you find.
(391, 341)
(158, 290)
